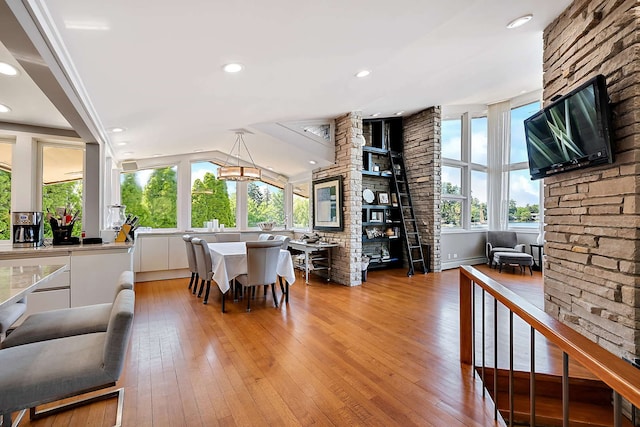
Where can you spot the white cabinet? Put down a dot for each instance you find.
(94, 275)
(177, 253)
(154, 253)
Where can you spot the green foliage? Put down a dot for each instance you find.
(210, 200)
(478, 212)
(451, 213)
(5, 205)
(264, 203)
(160, 197)
(131, 197)
(300, 212)
(63, 195)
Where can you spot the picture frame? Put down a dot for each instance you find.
(383, 198)
(376, 216)
(327, 204)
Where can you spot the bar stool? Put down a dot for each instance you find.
(9, 315)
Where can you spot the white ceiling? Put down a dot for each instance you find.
(154, 67)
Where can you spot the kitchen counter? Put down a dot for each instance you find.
(7, 250)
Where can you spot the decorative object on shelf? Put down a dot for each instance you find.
(368, 196)
(376, 216)
(327, 204)
(266, 225)
(384, 251)
(373, 232)
(313, 238)
(383, 198)
(237, 172)
(540, 238)
(376, 168)
(394, 200)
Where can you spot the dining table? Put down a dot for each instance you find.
(17, 282)
(229, 260)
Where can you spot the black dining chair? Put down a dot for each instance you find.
(262, 261)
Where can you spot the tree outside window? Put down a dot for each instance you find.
(211, 198)
(5, 190)
(152, 196)
(265, 202)
(301, 206)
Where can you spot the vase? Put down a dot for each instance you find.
(540, 238)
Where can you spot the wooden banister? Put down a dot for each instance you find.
(611, 369)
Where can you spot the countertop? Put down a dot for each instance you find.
(7, 249)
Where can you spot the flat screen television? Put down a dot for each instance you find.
(573, 132)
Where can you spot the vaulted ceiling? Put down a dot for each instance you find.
(154, 67)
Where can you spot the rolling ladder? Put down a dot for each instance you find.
(409, 222)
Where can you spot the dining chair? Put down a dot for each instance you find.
(265, 236)
(205, 268)
(262, 260)
(227, 237)
(284, 240)
(191, 260)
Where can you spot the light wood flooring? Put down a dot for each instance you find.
(382, 354)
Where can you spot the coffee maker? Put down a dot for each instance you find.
(28, 229)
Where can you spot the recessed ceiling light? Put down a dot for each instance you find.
(127, 153)
(122, 143)
(518, 22)
(116, 130)
(8, 70)
(363, 73)
(270, 168)
(312, 162)
(375, 114)
(233, 68)
(399, 113)
(4, 108)
(157, 155)
(198, 150)
(87, 25)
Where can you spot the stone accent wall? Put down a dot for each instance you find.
(422, 139)
(346, 259)
(592, 215)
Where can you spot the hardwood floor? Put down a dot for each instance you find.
(385, 353)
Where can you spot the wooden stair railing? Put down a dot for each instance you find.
(622, 377)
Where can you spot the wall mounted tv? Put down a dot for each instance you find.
(573, 132)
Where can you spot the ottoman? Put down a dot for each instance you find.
(520, 259)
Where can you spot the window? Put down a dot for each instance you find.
(265, 202)
(464, 173)
(62, 183)
(524, 194)
(211, 198)
(452, 139)
(301, 206)
(6, 150)
(151, 195)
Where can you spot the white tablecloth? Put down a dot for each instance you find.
(229, 260)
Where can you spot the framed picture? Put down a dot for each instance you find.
(376, 216)
(383, 198)
(327, 204)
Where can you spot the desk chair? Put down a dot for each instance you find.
(191, 260)
(262, 261)
(227, 237)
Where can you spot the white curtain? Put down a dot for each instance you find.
(499, 145)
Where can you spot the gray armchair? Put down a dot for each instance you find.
(502, 241)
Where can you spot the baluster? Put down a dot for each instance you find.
(484, 383)
(495, 359)
(532, 380)
(617, 409)
(565, 389)
(510, 368)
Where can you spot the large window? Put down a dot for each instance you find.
(524, 194)
(265, 202)
(151, 195)
(62, 184)
(464, 173)
(211, 198)
(301, 206)
(5, 190)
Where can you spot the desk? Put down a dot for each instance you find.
(229, 260)
(317, 256)
(17, 282)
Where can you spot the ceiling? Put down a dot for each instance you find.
(154, 68)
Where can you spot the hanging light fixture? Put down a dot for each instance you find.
(237, 172)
